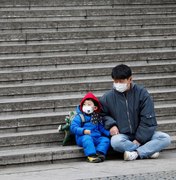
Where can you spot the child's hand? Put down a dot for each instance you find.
(87, 131)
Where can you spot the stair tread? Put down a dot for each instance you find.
(48, 114)
(60, 97)
(91, 42)
(91, 29)
(133, 6)
(77, 53)
(128, 17)
(82, 66)
(42, 149)
(29, 133)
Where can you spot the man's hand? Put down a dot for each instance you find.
(87, 131)
(136, 142)
(114, 131)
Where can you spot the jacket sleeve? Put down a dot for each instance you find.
(76, 124)
(147, 124)
(103, 130)
(107, 119)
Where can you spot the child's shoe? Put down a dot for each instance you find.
(93, 159)
(101, 156)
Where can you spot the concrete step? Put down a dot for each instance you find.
(31, 122)
(107, 21)
(127, 2)
(82, 83)
(52, 136)
(46, 154)
(167, 125)
(82, 71)
(40, 154)
(46, 120)
(43, 83)
(65, 3)
(85, 34)
(88, 11)
(148, 56)
(58, 104)
(89, 46)
(30, 138)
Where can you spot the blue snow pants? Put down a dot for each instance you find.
(92, 145)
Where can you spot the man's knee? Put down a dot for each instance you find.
(116, 141)
(163, 137)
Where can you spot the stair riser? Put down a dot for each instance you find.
(167, 127)
(149, 57)
(85, 47)
(36, 139)
(31, 37)
(22, 125)
(52, 106)
(49, 156)
(43, 157)
(82, 87)
(165, 111)
(45, 90)
(30, 139)
(65, 3)
(113, 11)
(87, 23)
(18, 125)
(59, 74)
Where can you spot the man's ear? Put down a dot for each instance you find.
(130, 78)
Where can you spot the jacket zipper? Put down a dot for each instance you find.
(128, 115)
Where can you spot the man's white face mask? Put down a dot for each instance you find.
(121, 87)
(87, 109)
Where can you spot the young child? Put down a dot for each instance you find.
(91, 135)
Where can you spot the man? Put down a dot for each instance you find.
(130, 117)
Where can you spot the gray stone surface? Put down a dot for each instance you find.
(53, 52)
(155, 169)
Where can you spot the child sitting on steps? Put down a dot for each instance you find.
(91, 135)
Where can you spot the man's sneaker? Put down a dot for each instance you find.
(129, 156)
(155, 155)
(93, 159)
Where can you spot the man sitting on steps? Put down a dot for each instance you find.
(129, 115)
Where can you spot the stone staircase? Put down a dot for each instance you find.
(53, 52)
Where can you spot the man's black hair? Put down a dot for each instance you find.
(121, 71)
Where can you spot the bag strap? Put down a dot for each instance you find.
(82, 118)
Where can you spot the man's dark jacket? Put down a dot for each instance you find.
(132, 112)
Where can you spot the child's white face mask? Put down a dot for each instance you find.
(87, 109)
(121, 87)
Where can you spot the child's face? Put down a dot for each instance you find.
(90, 104)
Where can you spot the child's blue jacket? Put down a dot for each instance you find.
(77, 126)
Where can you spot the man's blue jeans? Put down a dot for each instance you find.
(159, 141)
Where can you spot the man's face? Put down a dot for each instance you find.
(124, 81)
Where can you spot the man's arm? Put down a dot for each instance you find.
(148, 124)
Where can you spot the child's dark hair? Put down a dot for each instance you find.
(95, 102)
(121, 71)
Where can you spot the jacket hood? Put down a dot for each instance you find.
(90, 95)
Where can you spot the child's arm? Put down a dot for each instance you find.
(103, 130)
